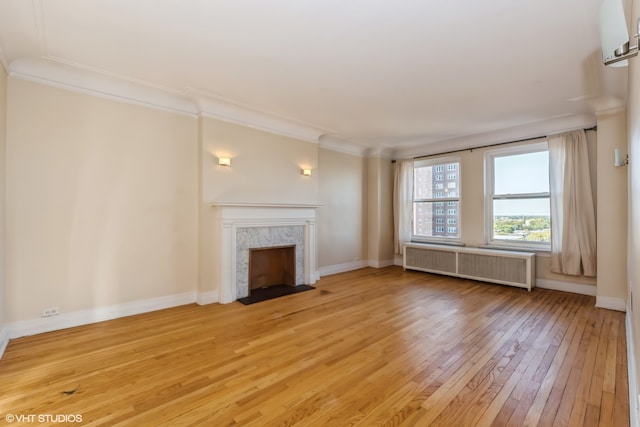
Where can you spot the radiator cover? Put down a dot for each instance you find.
(489, 265)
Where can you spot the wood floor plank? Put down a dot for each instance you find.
(369, 347)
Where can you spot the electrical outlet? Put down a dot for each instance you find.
(50, 311)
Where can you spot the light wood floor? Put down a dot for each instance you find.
(371, 347)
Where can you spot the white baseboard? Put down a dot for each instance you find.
(382, 264)
(557, 285)
(631, 371)
(4, 339)
(83, 317)
(341, 268)
(204, 298)
(611, 303)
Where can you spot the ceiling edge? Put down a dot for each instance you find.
(231, 112)
(527, 131)
(56, 73)
(334, 143)
(84, 81)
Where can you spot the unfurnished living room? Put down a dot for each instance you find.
(319, 213)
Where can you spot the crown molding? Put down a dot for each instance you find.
(63, 74)
(221, 109)
(530, 130)
(608, 105)
(66, 76)
(334, 143)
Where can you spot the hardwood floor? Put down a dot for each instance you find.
(371, 347)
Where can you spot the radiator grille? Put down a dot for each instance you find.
(430, 259)
(493, 267)
(486, 264)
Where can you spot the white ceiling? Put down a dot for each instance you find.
(403, 75)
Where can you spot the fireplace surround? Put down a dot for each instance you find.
(243, 226)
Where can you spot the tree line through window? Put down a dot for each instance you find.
(517, 197)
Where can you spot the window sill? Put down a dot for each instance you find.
(520, 248)
(439, 242)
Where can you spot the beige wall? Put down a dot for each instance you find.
(342, 217)
(633, 134)
(265, 168)
(101, 201)
(612, 208)
(3, 133)
(379, 212)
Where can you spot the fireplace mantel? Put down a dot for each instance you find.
(233, 216)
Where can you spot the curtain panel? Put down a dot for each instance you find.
(573, 225)
(402, 204)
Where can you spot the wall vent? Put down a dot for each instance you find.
(489, 265)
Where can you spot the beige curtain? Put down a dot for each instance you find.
(573, 224)
(402, 204)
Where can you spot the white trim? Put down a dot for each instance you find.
(382, 263)
(631, 372)
(101, 85)
(611, 303)
(232, 216)
(333, 143)
(562, 123)
(576, 288)
(204, 298)
(69, 75)
(260, 121)
(4, 339)
(92, 315)
(219, 107)
(341, 268)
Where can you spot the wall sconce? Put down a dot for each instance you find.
(619, 159)
(224, 161)
(306, 172)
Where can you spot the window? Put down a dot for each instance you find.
(518, 196)
(433, 189)
(451, 176)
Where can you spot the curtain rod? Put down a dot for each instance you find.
(487, 146)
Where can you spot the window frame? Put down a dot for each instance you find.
(444, 200)
(535, 146)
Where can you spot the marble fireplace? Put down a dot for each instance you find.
(242, 227)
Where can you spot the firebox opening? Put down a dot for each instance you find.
(272, 266)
